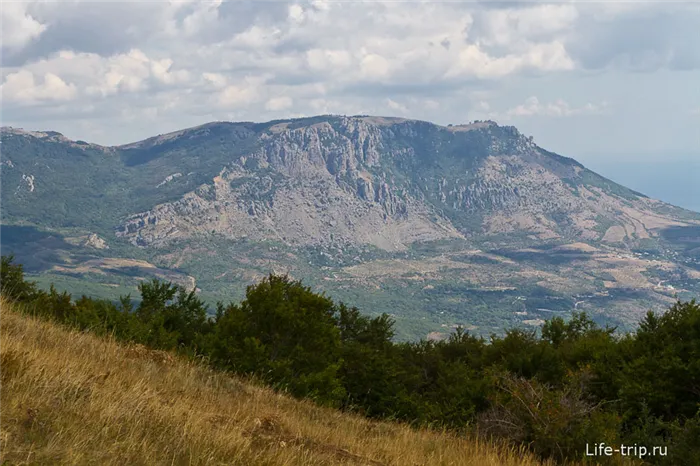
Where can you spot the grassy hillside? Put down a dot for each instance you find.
(69, 397)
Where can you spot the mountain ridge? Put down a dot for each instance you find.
(357, 162)
(332, 198)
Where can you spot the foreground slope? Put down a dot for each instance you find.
(72, 398)
(471, 225)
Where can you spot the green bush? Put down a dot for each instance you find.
(556, 423)
(286, 335)
(13, 286)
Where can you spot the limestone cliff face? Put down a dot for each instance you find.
(315, 185)
(391, 182)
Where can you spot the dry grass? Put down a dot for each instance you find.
(73, 398)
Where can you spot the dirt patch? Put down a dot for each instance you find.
(577, 247)
(383, 121)
(278, 128)
(470, 126)
(615, 234)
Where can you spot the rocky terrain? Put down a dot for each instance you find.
(470, 224)
(365, 182)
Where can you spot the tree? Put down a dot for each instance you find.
(555, 423)
(172, 316)
(662, 369)
(285, 334)
(12, 283)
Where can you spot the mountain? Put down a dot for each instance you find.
(471, 225)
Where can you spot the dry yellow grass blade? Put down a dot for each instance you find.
(73, 398)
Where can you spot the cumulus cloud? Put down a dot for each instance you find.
(296, 13)
(183, 60)
(216, 80)
(517, 27)
(559, 108)
(395, 106)
(279, 103)
(84, 77)
(24, 88)
(644, 37)
(18, 26)
(374, 44)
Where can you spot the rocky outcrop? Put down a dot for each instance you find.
(54, 136)
(314, 185)
(26, 186)
(388, 182)
(168, 179)
(94, 241)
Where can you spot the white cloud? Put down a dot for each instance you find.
(393, 105)
(22, 87)
(374, 67)
(160, 70)
(484, 106)
(328, 61)
(559, 108)
(321, 5)
(233, 96)
(296, 13)
(240, 94)
(279, 103)
(217, 80)
(473, 61)
(203, 17)
(516, 27)
(191, 61)
(431, 104)
(17, 26)
(256, 37)
(95, 76)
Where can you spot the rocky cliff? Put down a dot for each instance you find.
(471, 225)
(392, 182)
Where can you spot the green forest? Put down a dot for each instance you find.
(556, 390)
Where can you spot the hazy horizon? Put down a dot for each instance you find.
(674, 181)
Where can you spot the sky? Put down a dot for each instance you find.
(597, 81)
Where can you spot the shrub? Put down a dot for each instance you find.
(556, 423)
(13, 286)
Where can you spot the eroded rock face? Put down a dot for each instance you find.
(313, 185)
(389, 183)
(95, 241)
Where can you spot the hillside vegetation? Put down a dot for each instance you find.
(69, 397)
(555, 392)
